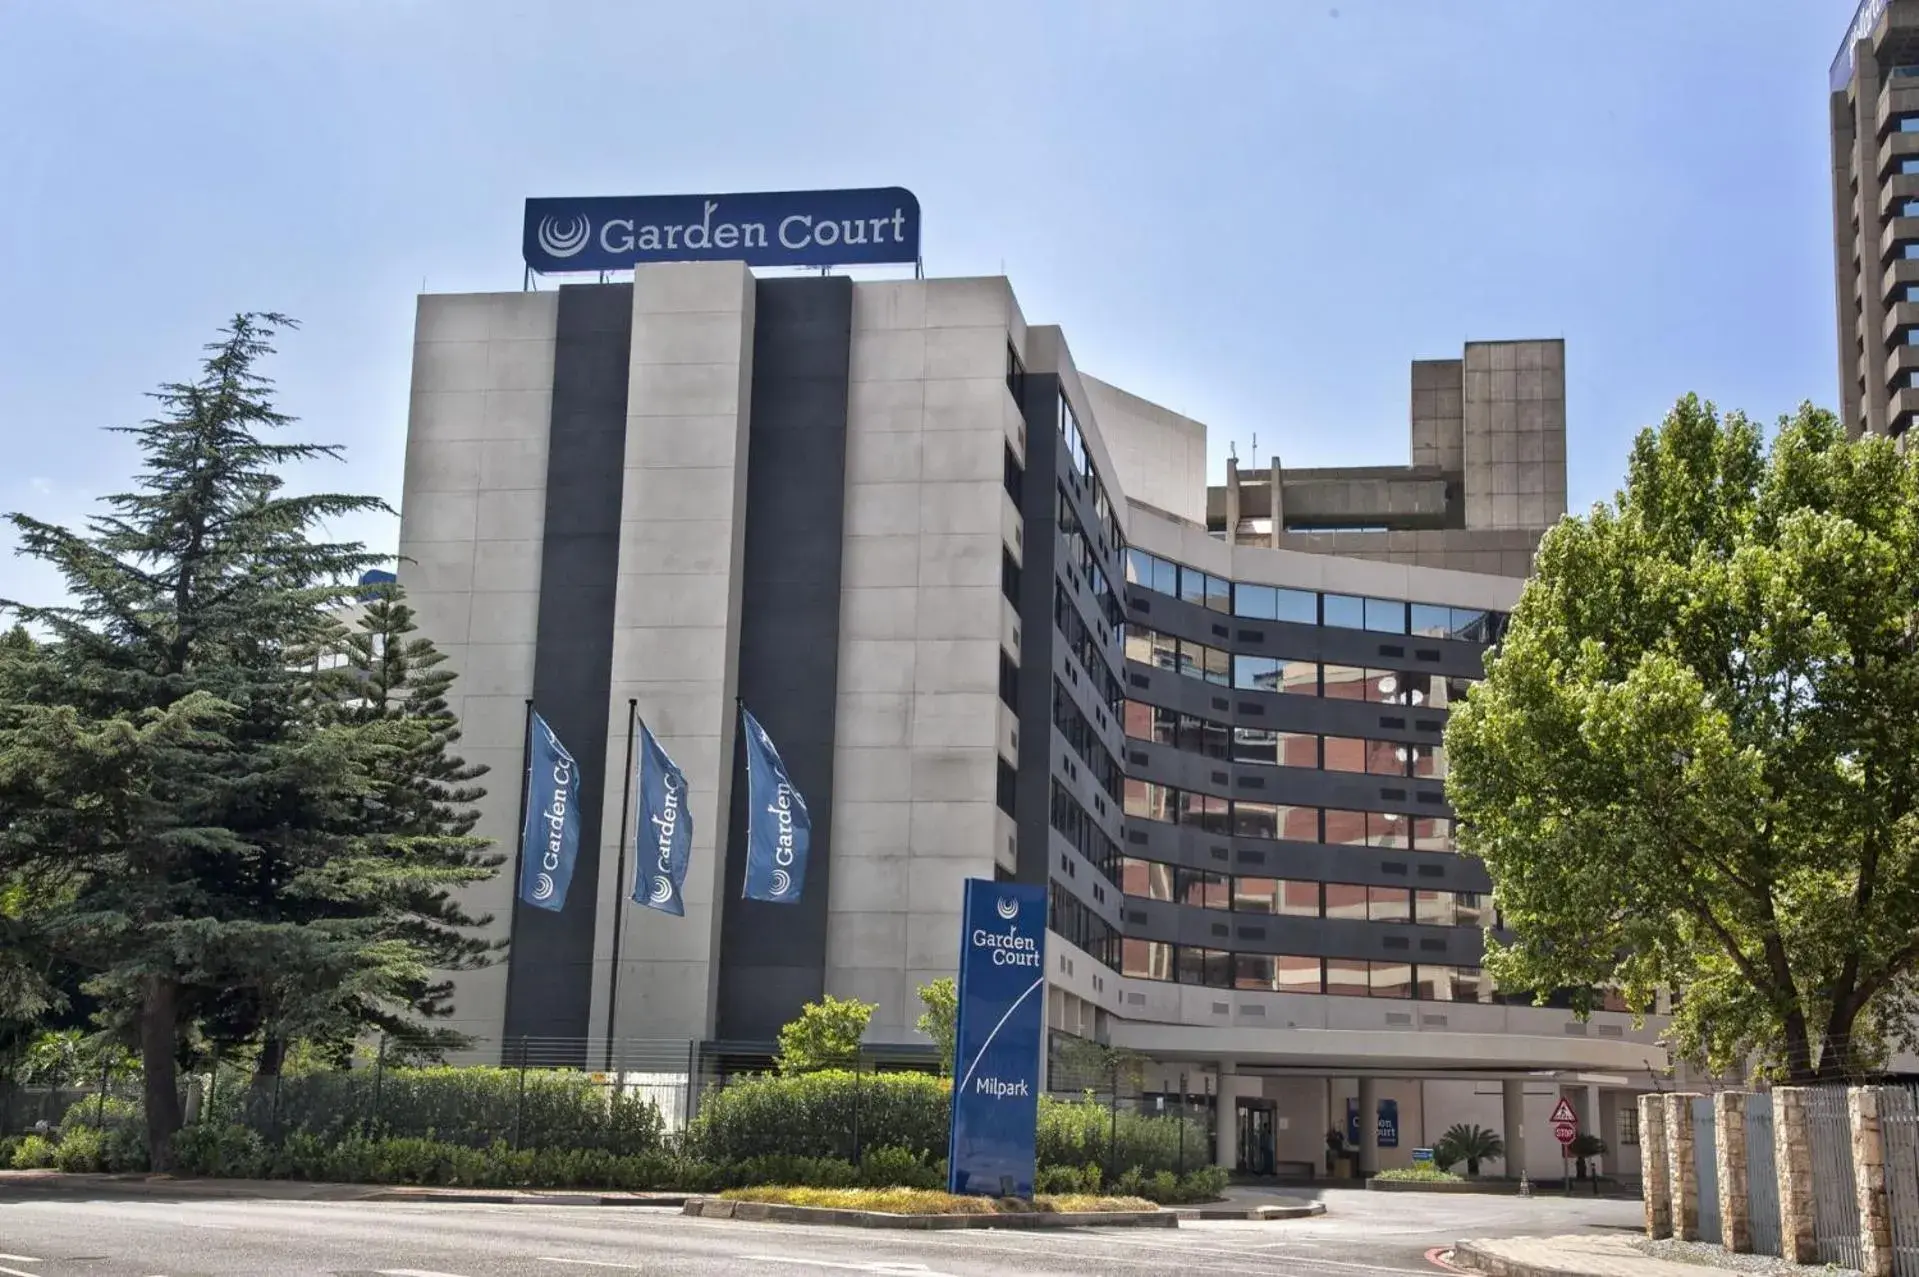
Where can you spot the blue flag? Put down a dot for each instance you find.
(778, 830)
(663, 836)
(550, 843)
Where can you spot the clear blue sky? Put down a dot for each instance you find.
(1254, 212)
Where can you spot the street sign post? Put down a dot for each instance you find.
(1565, 1130)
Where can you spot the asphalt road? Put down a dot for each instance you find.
(1362, 1234)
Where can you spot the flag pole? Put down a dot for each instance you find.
(519, 867)
(619, 883)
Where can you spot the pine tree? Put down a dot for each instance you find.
(163, 785)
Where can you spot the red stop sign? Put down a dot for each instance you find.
(1565, 1132)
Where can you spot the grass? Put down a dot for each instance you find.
(1421, 1175)
(920, 1201)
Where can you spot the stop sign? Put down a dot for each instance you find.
(1565, 1132)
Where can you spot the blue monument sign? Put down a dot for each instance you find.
(997, 1040)
(1388, 1122)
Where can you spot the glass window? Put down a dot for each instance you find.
(1426, 760)
(1388, 904)
(1454, 984)
(1435, 908)
(1275, 820)
(1192, 585)
(1347, 977)
(1137, 718)
(1254, 971)
(1301, 607)
(1299, 824)
(1385, 687)
(1455, 692)
(1219, 594)
(1139, 569)
(1416, 688)
(1148, 801)
(1475, 909)
(1431, 621)
(1214, 815)
(1909, 123)
(1388, 829)
(1206, 890)
(1386, 616)
(1346, 900)
(1256, 673)
(1146, 959)
(1344, 754)
(1285, 897)
(1344, 682)
(1433, 833)
(1299, 678)
(1216, 739)
(1212, 967)
(1297, 975)
(1344, 610)
(1256, 602)
(1391, 980)
(1345, 828)
(1388, 758)
(1284, 749)
(1148, 879)
(1217, 666)
(1192, 656)
(1469, 623)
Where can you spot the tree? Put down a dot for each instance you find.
(1692, 762)
(1468, 1143)
(826, 1035)
(160, 774)
(1584, 1148)
(940, 1020)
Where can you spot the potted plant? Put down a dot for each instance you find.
(1471, 1144)
(1586, 1146)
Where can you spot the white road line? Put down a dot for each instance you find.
(19, 1272)
(905, 1270)
(589, 1263)
(18, 1259)
(412, 1272)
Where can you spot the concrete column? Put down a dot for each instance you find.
(1656, 1187)
(1512, 1094)
(1865, 143)
(1792, 1154)
(1232, 500)
(1735, 1202)
(1869, 1177)
(1679, 1168)
(1368, 1126)
(1586, 1105)
(1276, 506)
(1226, 1118)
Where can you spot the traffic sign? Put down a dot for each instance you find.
(1565, 1121)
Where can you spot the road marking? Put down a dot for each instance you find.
(590, 1263)
(905, 1270)
(412, 1272)
(19, 1259)
(20, 1272)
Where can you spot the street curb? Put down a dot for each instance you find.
(1253, 1212)
(674, 1201)
(773, 1213)
(1469, 1257)
(169, 1188)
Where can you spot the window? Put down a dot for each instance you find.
(1435, 908)
(1214, 815)
(1204, 890)
(1282, 897)
(1146, 959)
(1433, 833)
(1347, 977)
(1215, 665)
(1376, 757)
(1453, 984)
(1212, 967)
(1204, 737)
(1344, 610)
(1150, 572)
(1430, 621)
(1192, 586)
(1428, 761)
(1015, 373)
(1007, 786)
(1908, 123)
(1275, 674)
(1136, 719)
(1628, 1126)
(1367, 828)
(1147, 801)
(1385, 616)
(1276, 820)
(1147, 879)
(1388, 904)
(1008, 681)
(1298, 975)
(1281, 749)
(1219, 594)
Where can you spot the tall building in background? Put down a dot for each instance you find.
(1001, 627)
(1875, 215)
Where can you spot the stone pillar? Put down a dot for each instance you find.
(1586, 1104)
(1276, 504)
(1368, 1126)
(1735, 1202)
(1232, 500)
(1226, 1117)
(1655, 1186)
(1679, 1169)
(1869, 1176)
(1512, 1095)
(1792, 1154)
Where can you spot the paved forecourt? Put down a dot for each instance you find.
(86, 1235)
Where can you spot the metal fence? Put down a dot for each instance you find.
(1705, 1161)
(1835, 1199)
(1762, 1176)
(1899, 1121)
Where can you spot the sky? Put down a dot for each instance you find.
(1255, 212)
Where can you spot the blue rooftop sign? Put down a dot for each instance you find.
(781, 228)
(1864, 19)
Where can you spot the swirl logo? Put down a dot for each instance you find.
(661, 891)
(563, 236)
(1008, 908)
(782, 882)
(543, 887)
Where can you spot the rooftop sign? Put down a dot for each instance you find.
(1864, 19)
(783, 228)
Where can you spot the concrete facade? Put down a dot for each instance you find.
(1874, 110)
(974, 595)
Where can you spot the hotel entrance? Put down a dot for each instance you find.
(1256, 1137)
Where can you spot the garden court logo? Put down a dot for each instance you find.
(564, 236)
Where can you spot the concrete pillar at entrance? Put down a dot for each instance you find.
(1226, 1118)
(1586, 1103)
(1368, 1126)
(1512, 1093)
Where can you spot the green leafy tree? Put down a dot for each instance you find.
(940, 1020)
(1694, 761)
(1469, 1143)
(162, 783)
(1583, 1149)
(826, 1035)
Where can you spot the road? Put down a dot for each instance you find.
(1362, 1235)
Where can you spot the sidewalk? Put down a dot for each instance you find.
(1577, 1256)
(281, 1190)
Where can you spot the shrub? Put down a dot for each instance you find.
(114, 1113)
(1420, 1175)
(221, 1150)
(9, 1144)
(811, 1115)
(35, 1152)
(899, 1168)
(1079, 1132)
(81, 1148)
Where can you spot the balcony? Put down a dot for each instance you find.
(1896, 190)
(1900, 317)
(1894, 148)
(1899, 96)
(1898, 233)
(1896, 276)
(1901, 410)
(1900, 359)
